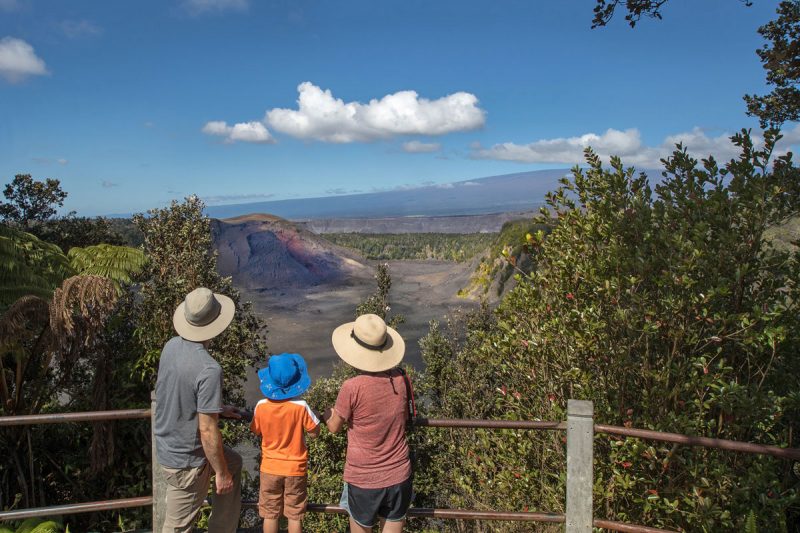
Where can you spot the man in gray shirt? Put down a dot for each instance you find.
(188, 407)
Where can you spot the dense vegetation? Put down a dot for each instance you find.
(81, 331)
(670, 311)
(391, 246)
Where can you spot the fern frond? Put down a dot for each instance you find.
(118, 263)
(28, 265)
(90, 299)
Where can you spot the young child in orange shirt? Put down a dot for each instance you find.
(281, 419)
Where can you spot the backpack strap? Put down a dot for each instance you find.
(411, 411)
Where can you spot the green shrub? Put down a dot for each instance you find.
(667, 308)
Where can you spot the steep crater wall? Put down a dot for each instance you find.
(262, 252)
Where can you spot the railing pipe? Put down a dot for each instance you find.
(579, 425)
(706, 442)
(628, 528)
(75, 508)
(489, 424)
(60, 418)
(460, 514)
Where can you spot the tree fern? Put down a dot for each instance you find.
(28, 266)
(118, 263)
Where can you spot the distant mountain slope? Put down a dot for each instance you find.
(263, 252)
(429, 224)
(523, 191)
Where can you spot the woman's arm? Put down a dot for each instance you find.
(334, 422)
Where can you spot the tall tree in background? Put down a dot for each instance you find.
(31, 205)
(30, 201)
(178, 244)
(604, 10)
(781, 59)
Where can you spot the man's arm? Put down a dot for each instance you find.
(211, 438)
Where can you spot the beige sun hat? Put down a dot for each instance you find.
(203, 315)
(368, 344)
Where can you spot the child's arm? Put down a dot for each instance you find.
(255, 425)
(314, 433)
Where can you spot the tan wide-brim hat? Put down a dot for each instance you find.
(368, 344)
(203, 315)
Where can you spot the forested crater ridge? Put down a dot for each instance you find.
(265, 252)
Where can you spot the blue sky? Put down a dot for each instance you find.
(132, 104)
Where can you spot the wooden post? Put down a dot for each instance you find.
(580, 458)
(159, 484)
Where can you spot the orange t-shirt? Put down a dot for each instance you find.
(283, 444)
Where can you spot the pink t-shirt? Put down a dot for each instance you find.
(374, 405)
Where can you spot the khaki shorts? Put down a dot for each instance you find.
(282, 495)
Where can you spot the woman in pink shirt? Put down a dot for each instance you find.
(373, 406)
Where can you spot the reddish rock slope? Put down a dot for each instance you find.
(264, 252)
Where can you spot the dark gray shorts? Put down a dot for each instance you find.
(367, 505)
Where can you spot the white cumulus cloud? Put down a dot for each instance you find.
(322, 117)
(18, 60)
(251, 132)
(564, 149)
(626, 144)
(418, 147)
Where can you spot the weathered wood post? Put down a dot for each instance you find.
(580, 462)
(159, 484)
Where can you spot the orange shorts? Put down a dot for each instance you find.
(282, 495)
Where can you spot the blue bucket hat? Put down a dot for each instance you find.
(284, 377)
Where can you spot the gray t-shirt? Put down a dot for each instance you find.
(189, 382)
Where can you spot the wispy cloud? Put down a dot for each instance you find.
(49, 160)
(626, 144)
(108, 184)
(75, 29)
(10, 5)
(319, 116)
(18, 60)
(341, 190)
(251, 132)
(149, 124)
(202, 7)
(418, 147)
(225, 198)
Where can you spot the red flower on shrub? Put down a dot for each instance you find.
(626, 464)
(570, 296)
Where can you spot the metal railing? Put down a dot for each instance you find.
(580, 428)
